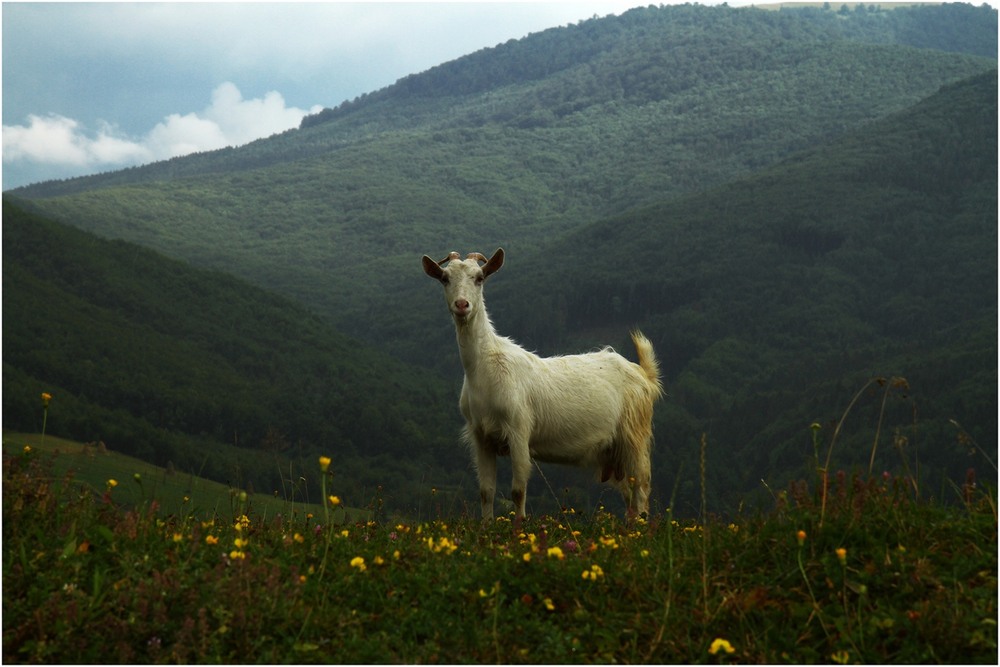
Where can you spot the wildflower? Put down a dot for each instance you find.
(815, 426)
(298, 538)
(593, 574)
(334, 500)
(359, 563)
(396, 554)
(842, 556)
(211, 539)
(27, 449)
(137, 477)
(45, 399)
(527, 556)
(644, 553)
(237, 555)
(324, 463)
(112, 483)
(242, 523)
(178, 537)
(801, 537)
(548, 604)
(378, 560)
(240, 543)
(720, 644)
(841, 657)
(556, 552)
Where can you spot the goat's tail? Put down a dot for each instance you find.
(647, 362)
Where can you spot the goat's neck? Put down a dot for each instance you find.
(476, 338)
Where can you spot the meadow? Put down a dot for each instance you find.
(845, 568)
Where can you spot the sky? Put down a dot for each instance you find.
(94, 87)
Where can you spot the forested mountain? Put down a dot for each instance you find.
(668, 101)
(773, 299)
(789, 203)
(202, 371)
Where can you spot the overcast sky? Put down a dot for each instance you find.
(92, 87)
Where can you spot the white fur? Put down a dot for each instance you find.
(589, 410)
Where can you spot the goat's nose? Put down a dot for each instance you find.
(461, 305)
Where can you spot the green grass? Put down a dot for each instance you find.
(175, 493)
(90, 578)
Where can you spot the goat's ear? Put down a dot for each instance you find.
(494, 263)
(432, 268)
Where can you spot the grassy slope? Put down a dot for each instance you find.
(176, 493)
(864, 575)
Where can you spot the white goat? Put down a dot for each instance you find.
(590, 410)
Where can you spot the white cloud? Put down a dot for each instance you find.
(229, 120)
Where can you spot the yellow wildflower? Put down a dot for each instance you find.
(548, 604)
(527, 556)
(334, 500)
(841, 657)
(178, 537)
(720, 644)
(324, 463)
(556, 552)
(359, 563)
(211, 539)
(27, 449)
(45, 399)
(842, 556)
(112, 483)
(298, 538)
(801, 537)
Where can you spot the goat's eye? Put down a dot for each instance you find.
(444, 279)
(480, 279)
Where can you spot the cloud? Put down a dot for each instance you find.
(229, 120)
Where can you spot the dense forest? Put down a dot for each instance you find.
(203, 372)
(789, 203)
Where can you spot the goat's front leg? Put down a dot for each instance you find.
(486, 467)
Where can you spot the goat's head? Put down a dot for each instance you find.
(463, 280)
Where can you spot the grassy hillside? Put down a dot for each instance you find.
(138, 482)
(511, 146)
(204, 372)
(864, 574)
(773, 300)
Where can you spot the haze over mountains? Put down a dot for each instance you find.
(788, 203)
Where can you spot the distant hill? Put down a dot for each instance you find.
(202, 371)
(514, 145)
(772, 300)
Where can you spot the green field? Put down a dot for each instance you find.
(854, 571)
(91, 466)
